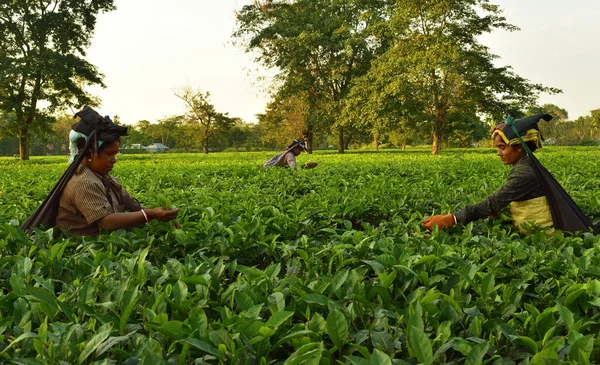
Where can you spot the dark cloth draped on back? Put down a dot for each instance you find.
(566, 215)
(45, 214)
(96, 128)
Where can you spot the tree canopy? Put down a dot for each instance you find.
(436, 68)
(319, 47)
(202, 120)
(387, 66)
(42, 62)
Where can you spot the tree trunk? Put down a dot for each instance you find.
(375, 141)
(437, 137)
(307, 135)
(403, 146)
(206, 144)
(30, 115)
(340, 146)
(347, 141)
(24, 143)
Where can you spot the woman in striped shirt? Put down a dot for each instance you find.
(93, 200)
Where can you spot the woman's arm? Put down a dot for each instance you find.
(521, 184)
(129, 220)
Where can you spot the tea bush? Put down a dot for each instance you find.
(322, 266)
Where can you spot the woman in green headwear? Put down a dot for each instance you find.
(522, 191)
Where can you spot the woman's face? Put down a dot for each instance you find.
(104, 161)
(297, 151)
(510, 155)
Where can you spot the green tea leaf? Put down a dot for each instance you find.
(316, 299)
(277, 302)
(380, 358)
(542, 357)
(420, 345)
(128, 310)
(309, 354)
(527, 342)
(383, 340)
(337, 328)
(475, 327)
(112, 341)
(294, 335)
(202, 346)
(101, 335)
(195, 280)
(279, 318)
(582, 349)
(477, 353)
(487, 285)
(22, 337)
(354, 360)
(566, 315)
(338, 280)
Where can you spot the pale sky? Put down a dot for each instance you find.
(149, 48)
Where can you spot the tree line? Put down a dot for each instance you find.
(274, 130)
(348, 73)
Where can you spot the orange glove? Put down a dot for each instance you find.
(442, 221)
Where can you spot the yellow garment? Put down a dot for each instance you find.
(531, 135)
(534, 210)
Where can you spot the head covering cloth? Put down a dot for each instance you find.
(297, 143)
(521, 130)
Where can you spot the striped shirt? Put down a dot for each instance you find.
(89, 197)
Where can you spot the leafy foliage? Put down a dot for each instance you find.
(201, 117)
(318, 48)
(43, 45)
(318, 266)
(436, 67)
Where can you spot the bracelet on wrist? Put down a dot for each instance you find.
(145, 213)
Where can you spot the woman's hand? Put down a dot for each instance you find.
(442, 221)
(163, 214)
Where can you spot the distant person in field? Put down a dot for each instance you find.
(522, 191)
(92, 199)
(288, 157)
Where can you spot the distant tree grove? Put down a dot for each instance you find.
(349, 74)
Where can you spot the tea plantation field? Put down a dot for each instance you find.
(323, 266)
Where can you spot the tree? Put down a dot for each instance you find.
(42, 44)
(167, 127)
(284, 120)
(201, 117)
(319, 47)
(594, 123)
(554, 128)
(436, 65)
(464, 128)
(61, 130)
(586, 128)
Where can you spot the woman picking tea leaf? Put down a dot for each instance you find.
(92, 199)
(522, 191)
(288, 158)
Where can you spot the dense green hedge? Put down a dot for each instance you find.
(318, 266)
